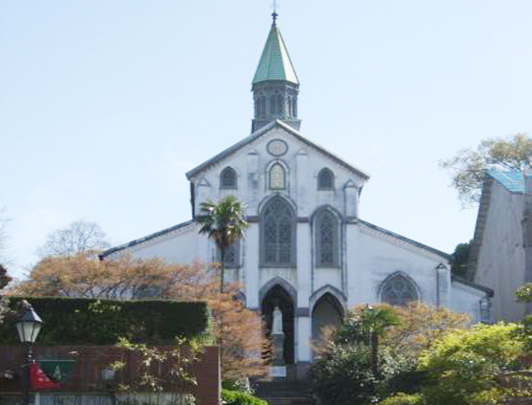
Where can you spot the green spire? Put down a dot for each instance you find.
(275, 62)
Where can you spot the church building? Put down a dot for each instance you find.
(306, 251)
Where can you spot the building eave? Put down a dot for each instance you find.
(460, 280)
(145, 239)
(443, 255)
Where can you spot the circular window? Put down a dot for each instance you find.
(277, 147)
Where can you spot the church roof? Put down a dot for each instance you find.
(147, 238)
(257, 134)
(396, 236)
(513, 181)
(275, 63)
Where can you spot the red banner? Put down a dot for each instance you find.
(39, 380)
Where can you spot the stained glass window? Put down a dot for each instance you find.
(278, 233)
(327, 239)
(325, 179)
(399, 290)
(228, 178)
(277, 177)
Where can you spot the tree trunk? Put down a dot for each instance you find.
(222, 269)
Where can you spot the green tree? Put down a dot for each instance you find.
(467, 366)
(349, 364)
(468, 167)
(224, 223)
(460, 259)
(353, 364)
(374, 322)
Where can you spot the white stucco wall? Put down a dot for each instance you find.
(465, 299)
(501, 261)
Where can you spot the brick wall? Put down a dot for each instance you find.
(90, 361)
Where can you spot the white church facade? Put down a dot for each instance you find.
(306, 250)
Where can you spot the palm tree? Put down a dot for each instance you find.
(374, 322)
(224, 223)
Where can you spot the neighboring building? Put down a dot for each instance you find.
(499, 251)
(306, 250)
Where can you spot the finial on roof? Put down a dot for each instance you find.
(274, 14)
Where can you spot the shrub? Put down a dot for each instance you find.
(464, 367)
(404, 399)
(240, 385)
(240, 398)
(79, 321)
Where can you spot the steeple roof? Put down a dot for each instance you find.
(275, 63)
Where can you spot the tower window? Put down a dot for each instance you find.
(280, 104)
(273, 105)
(228, 178)
(327, 246)
(399, 290)
(325, 179)
(278, 234)
(261, 106)
(277, 177)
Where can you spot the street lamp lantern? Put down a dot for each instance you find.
(29, 325)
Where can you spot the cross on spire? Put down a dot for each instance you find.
(274, 14)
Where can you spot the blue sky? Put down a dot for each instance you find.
(104, 105)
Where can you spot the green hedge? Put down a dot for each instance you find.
(76, 321)
(240, 398)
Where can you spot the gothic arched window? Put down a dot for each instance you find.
(277, 233)
(325, 179)
(273, 105)
(280, 104)
(228, 178)
(399, 290)
(277, 177)
(327, 246)
(261, 106)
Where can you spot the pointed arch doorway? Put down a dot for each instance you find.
(278, 296)
(327, 313)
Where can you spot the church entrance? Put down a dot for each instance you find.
(327, 312)
(278, 297)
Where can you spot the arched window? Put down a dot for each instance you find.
(280, 104)
(399, 290)
(290, 106)
(277, 177)
(232, 255)
(325, 179)
(327, 246)
(277, 233)
(228, 178)
(273, 105)
(261, 106)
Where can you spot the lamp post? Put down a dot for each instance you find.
(28, 328)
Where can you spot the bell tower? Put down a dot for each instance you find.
(275, 85)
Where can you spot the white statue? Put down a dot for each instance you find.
(277, 326)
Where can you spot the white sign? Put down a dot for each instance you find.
(278, 371)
